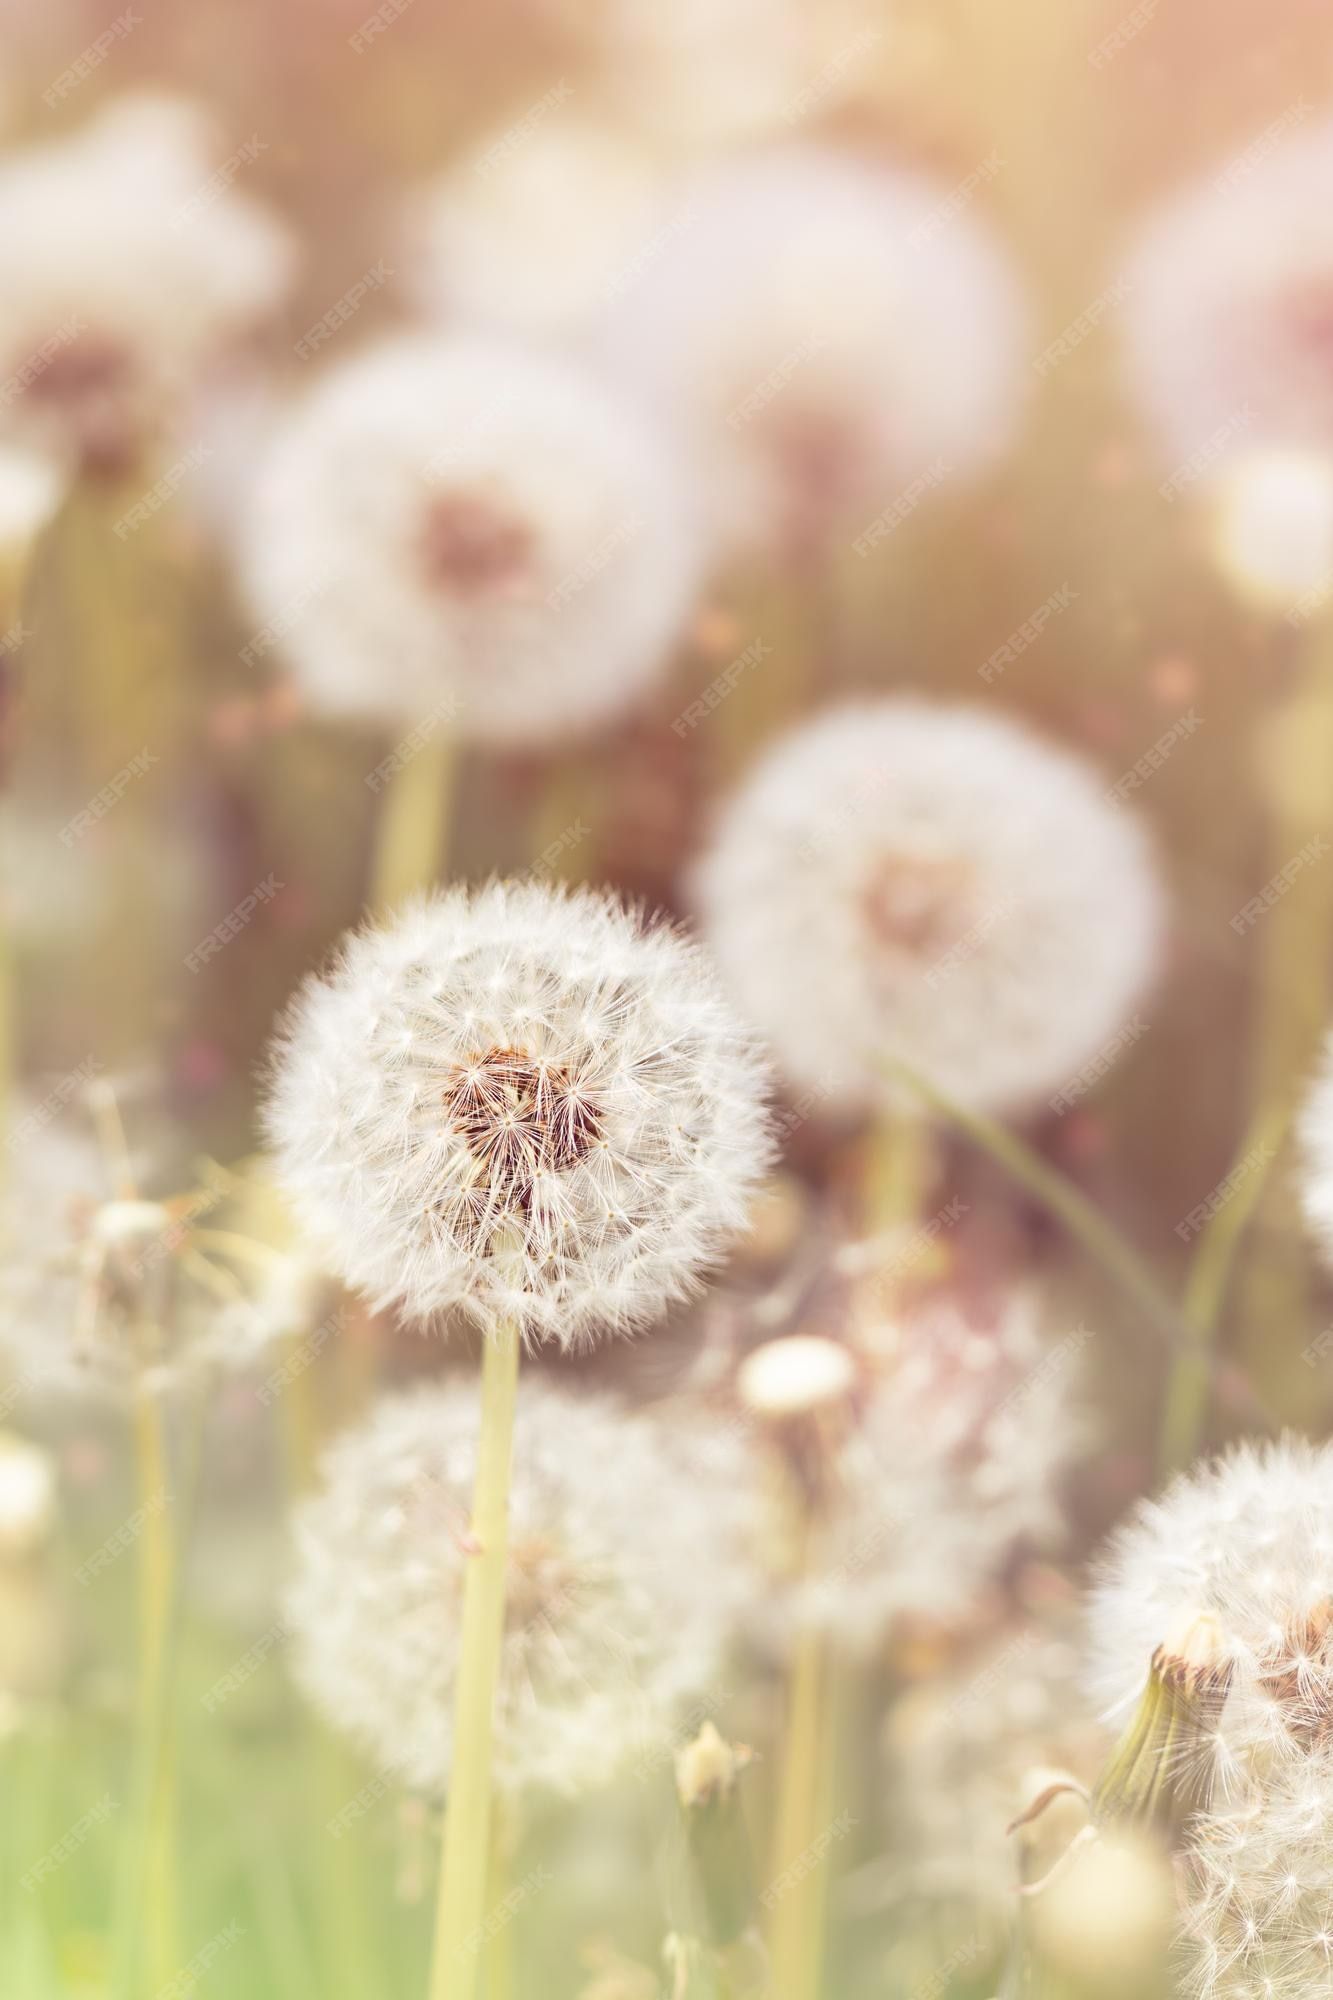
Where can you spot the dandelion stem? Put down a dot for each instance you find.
(1102, 1242)
(155, 1609)
(1186, 1408)
(796, 1887)
(1292, 980)
(415, 812)
(466, 1845)
(897, 1170)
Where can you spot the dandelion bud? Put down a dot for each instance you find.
(1241, 1679)
(1159, 1774)
(1104, 1920)
(707, 1771)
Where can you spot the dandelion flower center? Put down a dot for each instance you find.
(472, 547)
(520, 1119)
(918, 905)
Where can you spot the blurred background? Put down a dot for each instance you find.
(1059, 127)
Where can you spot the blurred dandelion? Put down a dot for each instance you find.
(135, 272)
(821, 336)
(897, 881)
(613, 1624)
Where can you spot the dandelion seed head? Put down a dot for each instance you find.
(1228, 304)
(1257, 1890)
(822, 337)
(528, 234)
(135, 267)
(1240, 1548)
(903, 881)
(462, 524)
(101, 1292)
(625, 1565)
(526, 1066)
(926, 1484)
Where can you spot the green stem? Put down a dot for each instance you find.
(796, 1923)
(466, 1843)
(1186, 1408)
(1089, 1228)
(413, 823)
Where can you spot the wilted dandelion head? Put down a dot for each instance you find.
(464, 527)
(1243, 1543)
(519, 1069)
(1258, 1898)
(622, 1574)
(824, 336)
(27, 1494)
(1228, 303)
(933, 885)
(135, 265)
(530, 231)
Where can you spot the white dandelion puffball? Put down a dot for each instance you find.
(946, 1459)
(461, 525)
(134, 264)
(1258, 1904)
(101, 1293)
(1246, 1542)
(932, 884)
(531, 229)
(1316, 1138)
(823, 332)
(961, 1750)
(622, 1575)
(520, 1067)
(1228, 305)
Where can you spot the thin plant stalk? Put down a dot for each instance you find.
(1101, 1241)
(795, 1939)
(156, 1570)
(1186, 1408)
(897, 1169)
(416, 810)
(466, 1845)
(1291, 938)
